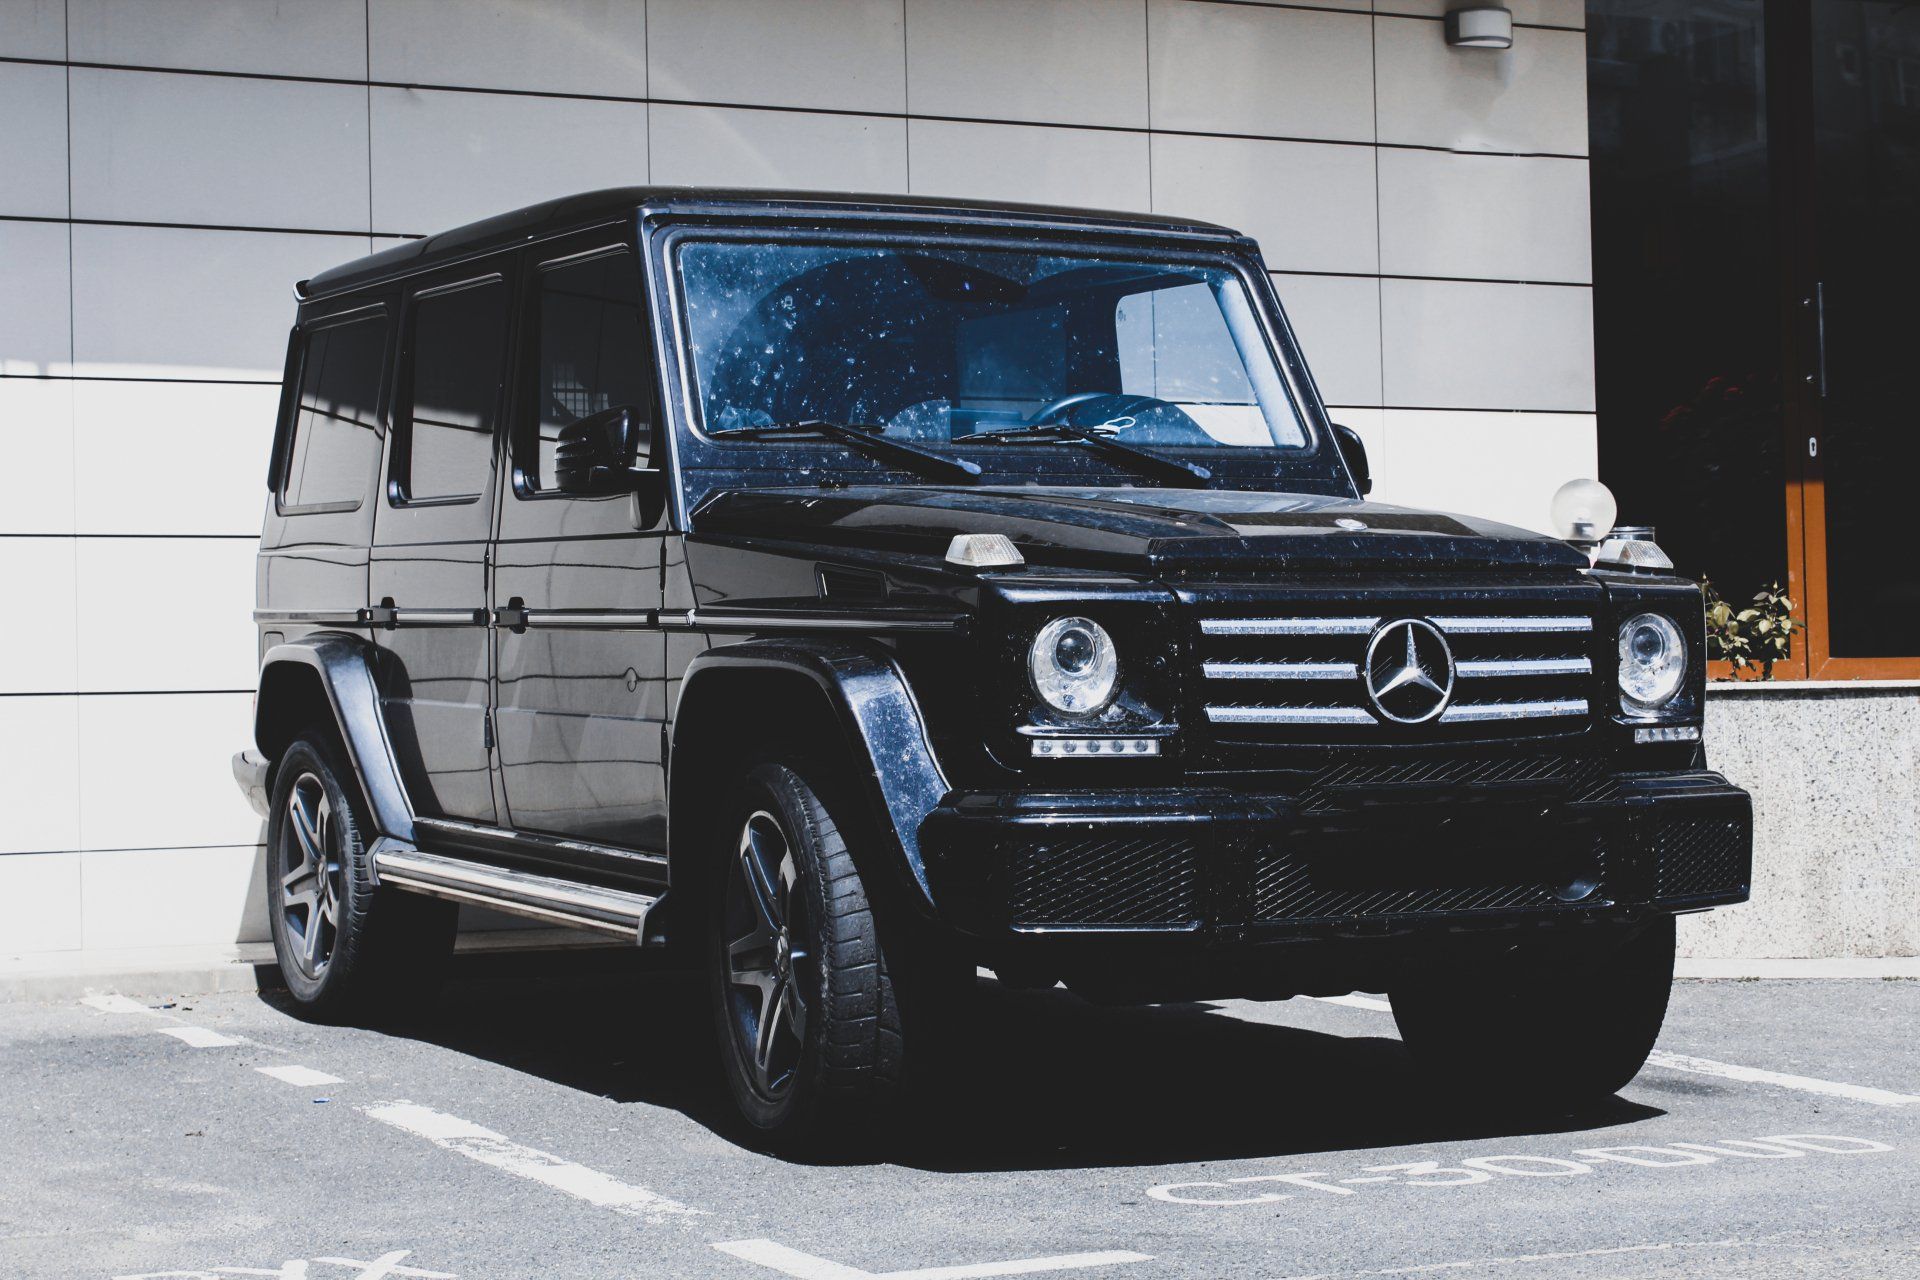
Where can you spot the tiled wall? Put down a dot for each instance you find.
(169, 167)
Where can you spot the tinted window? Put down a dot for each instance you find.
(458, 363)
(335, 448)
(939, 343)
(593, 350)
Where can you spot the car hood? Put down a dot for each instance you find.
(1161, 530)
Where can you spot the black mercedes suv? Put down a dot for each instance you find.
(857, 592)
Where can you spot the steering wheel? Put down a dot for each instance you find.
(1053, 408)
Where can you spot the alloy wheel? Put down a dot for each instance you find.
(769, 955)
(310, 875)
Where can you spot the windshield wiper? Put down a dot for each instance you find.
(1138, 459)
(865, 439)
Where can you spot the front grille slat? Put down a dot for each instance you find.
(1522, 671)
(1471, 712)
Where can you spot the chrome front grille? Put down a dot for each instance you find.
(1520, 672)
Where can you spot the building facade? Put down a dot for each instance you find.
(168, 168)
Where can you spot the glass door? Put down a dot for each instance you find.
(1858, 341)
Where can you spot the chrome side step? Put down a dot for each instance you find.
(522, 893)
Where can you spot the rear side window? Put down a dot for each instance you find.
(335, 447)
(458, 358)
(593, 348)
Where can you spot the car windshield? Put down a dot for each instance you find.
(937, 345)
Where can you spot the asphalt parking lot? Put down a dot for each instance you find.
(565, 1124)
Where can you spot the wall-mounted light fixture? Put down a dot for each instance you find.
(1480, 27)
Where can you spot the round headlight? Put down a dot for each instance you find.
(1653, 662)
(1073, 666)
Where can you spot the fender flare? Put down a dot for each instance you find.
(876, 713)
(343, 665)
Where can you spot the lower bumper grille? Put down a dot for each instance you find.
(1332, 880)
(1104, 879)
(1702, 857)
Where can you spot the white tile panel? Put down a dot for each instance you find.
(172, 302)
(1090, 168)
(561, 46)
(1047, 61)
(35, 327)
(309, 38)
(156, 770)
(846, 55)
(161, 441)
(33, 29)
(122, 581)
(1501, 466)
(1336, 320)
(219, 150)
(173, 897)
(39, 775)
(39, 903)
(36, 439)
(1549, 13)
(700, 145)
(1311, 205)
(1252, 69)
(1452, 345)
(1530, 98)
(37, 649)
(441, 159)
(33, 142)
(1491, 217)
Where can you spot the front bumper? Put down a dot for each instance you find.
(1225, 866)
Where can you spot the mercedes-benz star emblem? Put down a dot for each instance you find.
(1409, 671)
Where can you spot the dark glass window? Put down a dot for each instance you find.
(335, 447)
(593, 348)
(459, 346)
(1866, 118)
(1686, 304)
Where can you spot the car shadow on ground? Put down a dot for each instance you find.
(1043, 1080)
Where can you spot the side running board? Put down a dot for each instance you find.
(582, 906)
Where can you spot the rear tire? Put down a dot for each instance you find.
(1543, 1035)
(800, 985)
(347, 951)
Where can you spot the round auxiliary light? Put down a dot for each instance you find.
(1583, 510)
(1073, 666)
(1653, 662)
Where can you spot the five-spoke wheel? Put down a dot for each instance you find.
(770, 966)
(810, 1033)
(347, 950)
(308, 862)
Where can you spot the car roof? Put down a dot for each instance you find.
(552, 217)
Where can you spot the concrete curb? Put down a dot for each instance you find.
(246, 967)
(1747, 970)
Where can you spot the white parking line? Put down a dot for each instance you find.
(1708, 1067)
(200, 1037)
(1754, 1075)
(490, 1148)
(305, 1077)
(1355, 1002)
(804, 1266)
(114, 1004)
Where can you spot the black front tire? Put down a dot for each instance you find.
(802, 990)
(1544, 1033)
(348, 952)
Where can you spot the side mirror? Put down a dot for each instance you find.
(1353, 451)
(603, 454)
